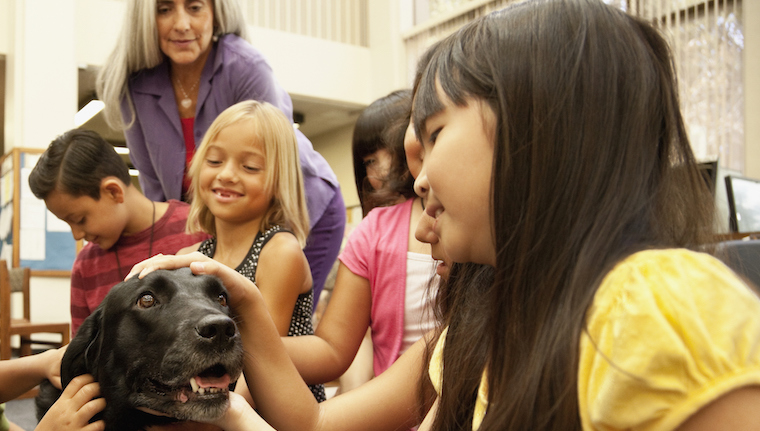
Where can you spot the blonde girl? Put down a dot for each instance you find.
(247, 192)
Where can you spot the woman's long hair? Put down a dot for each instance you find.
(138, 48)
(591, 164)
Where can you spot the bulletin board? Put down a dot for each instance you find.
(30, 235)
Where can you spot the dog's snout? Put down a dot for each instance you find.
(216, 328)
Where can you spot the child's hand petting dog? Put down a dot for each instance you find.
(54, 367)
(77, 405)
(238, 285)
(162, 261)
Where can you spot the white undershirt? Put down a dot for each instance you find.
(421, 286)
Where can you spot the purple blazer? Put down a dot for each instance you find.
(235, 71)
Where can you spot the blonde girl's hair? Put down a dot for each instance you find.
(138, 49)
(284, 180)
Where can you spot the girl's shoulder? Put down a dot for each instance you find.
(668, 331)
(279, 242)
(671, 287)
(670, 277)
(282, 261)
(386, 221)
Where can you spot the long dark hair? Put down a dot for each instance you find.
(382, 125)
(591, 164)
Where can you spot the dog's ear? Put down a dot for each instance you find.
(84, 350)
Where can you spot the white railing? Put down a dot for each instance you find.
(343, 21)
(445, 17)
(708, 44)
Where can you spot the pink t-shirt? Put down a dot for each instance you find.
(377, 251)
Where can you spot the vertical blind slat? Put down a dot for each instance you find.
(343, 21)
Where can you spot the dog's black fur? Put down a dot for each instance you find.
(145, 342)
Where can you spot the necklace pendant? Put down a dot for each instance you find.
(186, 103)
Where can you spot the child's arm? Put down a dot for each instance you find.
(283, 273)
(328, 353)
(736, 410)
(427, 423)
(389, 401)
(76, 406)
(22, 374)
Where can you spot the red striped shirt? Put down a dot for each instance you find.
(95, 270)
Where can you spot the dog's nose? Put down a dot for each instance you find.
(216, 328)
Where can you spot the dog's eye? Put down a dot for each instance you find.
(147, 300)
(222, 299)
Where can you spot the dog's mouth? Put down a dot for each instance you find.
(211, 383)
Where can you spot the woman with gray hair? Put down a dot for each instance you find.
(176, 66)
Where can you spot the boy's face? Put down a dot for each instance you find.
(100, 221)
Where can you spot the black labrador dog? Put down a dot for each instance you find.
(166, 342)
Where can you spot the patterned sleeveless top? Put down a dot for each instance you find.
(300, 322)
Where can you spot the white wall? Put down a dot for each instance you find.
(5, 33)
(336, 149)
(316, 68)
(41, 90)
(97, 28)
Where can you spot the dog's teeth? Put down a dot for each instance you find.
(196, 387)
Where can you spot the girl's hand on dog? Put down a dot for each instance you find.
(239, 287)
(162, 261)
(78, 403)
(54, 365)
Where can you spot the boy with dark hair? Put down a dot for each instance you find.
(85, 183)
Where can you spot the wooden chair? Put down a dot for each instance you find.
(17, 280)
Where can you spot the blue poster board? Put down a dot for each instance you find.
(30, 235)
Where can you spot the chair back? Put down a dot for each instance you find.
(17, 280)
(5, 305)
(19, 283)
(743, 256)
